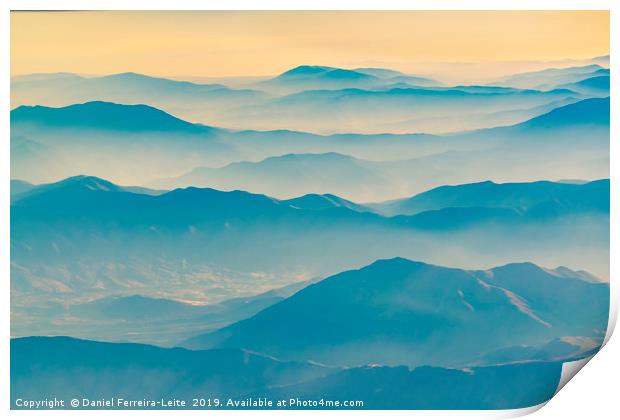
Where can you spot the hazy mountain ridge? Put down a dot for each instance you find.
(106, 116)
(399, 95)
(377, 111)
(82, 223)
(92, 197)
(403, 312)
(435, 157)
(506, 195)
(552, 77)
(187, 99)
(315, 77)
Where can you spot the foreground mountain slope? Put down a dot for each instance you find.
(432, 388)
(403, 312)
(65, 368)
(43, 367)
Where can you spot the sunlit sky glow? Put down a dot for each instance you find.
(241, 43)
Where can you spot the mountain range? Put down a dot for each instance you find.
(47, 144)
(313, 235)
(306, 77)
(398, 109)
(194, 101)
(549, 78)
(68, 368)
(100, 115)
(519, 196)
(332, 100)
(61, 367)
(506, 386)
(403, 312)
(121, 239)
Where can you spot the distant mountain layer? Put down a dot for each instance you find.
(596, 86)
(322, 72)
(178, 97)
(113, 116)
(550, 78)
(61, 367)
(292, 175)
(312, 98)
(403, 312)
(388, 166)
(105, 116)
(317, 77)
(582, 126)
(22, 189)
(396, 108)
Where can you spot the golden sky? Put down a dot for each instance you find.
(243, 43)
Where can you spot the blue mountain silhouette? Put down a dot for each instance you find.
(322, 72)
(519, 196)
(594, 111)
(443, 208)
(433, 388)
(404, 312)
(105, 116)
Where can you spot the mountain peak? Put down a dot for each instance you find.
(323, 202)
(323, 72)
(310, 157)
(343, 317)
(90, 182)
(129, 74)
(304, 70)
(68, 187)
